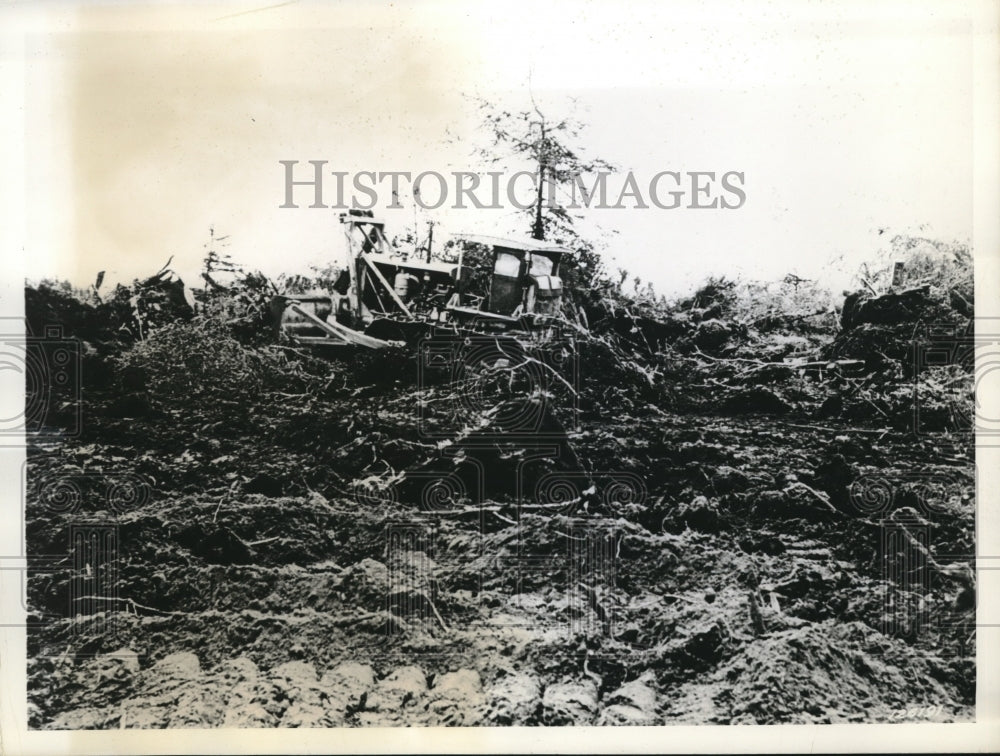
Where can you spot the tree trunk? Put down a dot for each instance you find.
(538, 227)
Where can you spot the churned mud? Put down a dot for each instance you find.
(630, 538)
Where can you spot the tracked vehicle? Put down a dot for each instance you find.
(384, 298)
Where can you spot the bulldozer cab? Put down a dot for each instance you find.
(525, 278)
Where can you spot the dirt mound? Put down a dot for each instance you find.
(825, 673)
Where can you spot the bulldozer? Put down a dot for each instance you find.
(385, 298)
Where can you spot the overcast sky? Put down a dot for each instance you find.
(148, 127)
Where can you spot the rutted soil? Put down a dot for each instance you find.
(366, 554)
(277, 610)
